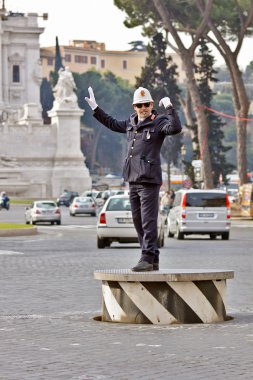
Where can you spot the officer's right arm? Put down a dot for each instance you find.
(107, 120)
(170, 124)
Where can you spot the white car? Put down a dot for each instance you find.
(115, 223)
(201, 212)
(43, 211)
(83, 205)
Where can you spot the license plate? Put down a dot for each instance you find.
(47, 212)
(125, 220)
(206, 214)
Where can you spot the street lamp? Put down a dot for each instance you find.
(183, 153)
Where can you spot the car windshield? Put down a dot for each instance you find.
(45, 205)
(66, 194)
(83, 200)
(206, 200)
(119, 204)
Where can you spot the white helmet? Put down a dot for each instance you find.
(142, 95)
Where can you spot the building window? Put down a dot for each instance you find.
(67, 57)
(102, 63)
(81, 59)
(93, 60)
(124, 65)
(15, 74)
(50, 61)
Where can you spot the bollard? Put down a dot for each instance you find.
(165, 296)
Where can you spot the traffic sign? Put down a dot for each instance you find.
(197, 163)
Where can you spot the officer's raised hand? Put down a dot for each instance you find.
(91, 100)
(165, 102)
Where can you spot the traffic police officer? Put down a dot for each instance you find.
(146, 131)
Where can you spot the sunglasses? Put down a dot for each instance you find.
(139, 105)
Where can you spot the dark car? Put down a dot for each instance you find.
(66, 198)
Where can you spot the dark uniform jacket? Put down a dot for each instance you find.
(145, 139)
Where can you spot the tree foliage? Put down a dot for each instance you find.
(58, 60)
(215, 138)
(228, 21)
(115, 97)
(46, 99)
(101, 147)
(137, 46)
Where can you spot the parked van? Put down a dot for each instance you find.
(199, 212)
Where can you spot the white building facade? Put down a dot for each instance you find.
(36, 160)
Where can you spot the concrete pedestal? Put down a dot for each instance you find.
(69, 171)
(165, 296)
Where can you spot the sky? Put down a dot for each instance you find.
(98, 20)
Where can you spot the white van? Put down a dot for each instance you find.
(199, 212)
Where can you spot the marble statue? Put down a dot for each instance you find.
(64, 89)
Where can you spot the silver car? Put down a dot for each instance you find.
(83, 205)
(199, 212)
(115, 223)
(43, 211)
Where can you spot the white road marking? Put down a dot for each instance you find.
(11, 253)
(242, 225)
(68, 227)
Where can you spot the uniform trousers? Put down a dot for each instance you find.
(144, 198)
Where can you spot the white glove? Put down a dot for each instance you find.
(165, 102)
(91, 100)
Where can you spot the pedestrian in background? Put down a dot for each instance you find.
(146, 131)
(165, 203)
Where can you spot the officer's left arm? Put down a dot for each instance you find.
(170, 123)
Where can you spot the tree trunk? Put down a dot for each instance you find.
(240, 97)
(241, 150)
(186, 106)
(202, 121)
(241, 107)
(94, 148)
(187, 57)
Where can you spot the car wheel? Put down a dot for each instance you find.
(27, 222)
(179, 235)
(107, 243)
(71, 214)
(212, 236)
(225, 236)
(170, 234)
(58, 222)
(100, 243)
(32, 221)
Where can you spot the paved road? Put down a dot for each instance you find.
(49, 298)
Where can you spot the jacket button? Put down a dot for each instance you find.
(134, 139)
(130, 155)
(132, 147)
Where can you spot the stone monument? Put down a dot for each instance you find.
(69, 170)
(37, 160)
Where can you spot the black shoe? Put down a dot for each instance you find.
(143, 266)
(155, 266)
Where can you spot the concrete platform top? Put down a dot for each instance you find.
(163, 275)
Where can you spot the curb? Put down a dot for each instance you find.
(18, 231)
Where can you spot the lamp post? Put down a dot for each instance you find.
(183, 153)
